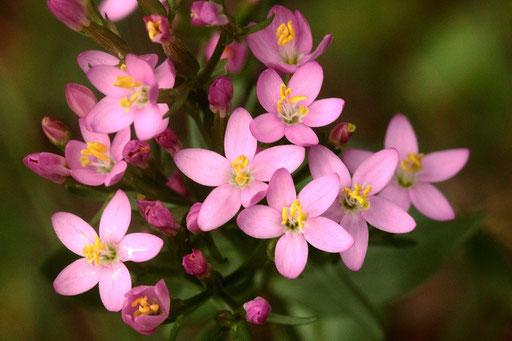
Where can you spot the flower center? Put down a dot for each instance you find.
(285, 33)
(356, 198)
(99, 252)
(293, 217)
(287, 108)
(145, 308)
(100, 152)
(413, 163)
(241, 174)
(154, 28)
(139, 93)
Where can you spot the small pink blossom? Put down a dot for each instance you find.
(169, 141)
(220, 96)
(159, 216)
(196, 265)
(56, 132)
(235, 53)
(137, 153)
(159, 29)
(72, 13)
(192, 216)
(49, 166)
(80, 99)
(205, 13)
(257, 310)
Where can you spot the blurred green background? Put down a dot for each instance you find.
(445, 64)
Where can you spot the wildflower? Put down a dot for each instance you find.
(72, 13)
(192, 216)
(220, 96)
(49, 166)
(137, 153)
(80, 99)
(196, 265)
(159, 216)
(341, 133)
(235, 53)
(257, 310)
(56, 132)
(205, 13)
(159, 29)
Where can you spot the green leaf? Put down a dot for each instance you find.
(220, 70)
(176, 326)
(257, 27)
(290, 320)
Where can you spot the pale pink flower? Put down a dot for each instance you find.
(48, 165)
(103, 256)
(357, 203)
(415, 173)
(118, 9)
(239, 177)
(205, 13)
(292, 110)
(285, 45)
(235, 53)
(80, 99)
(297, 220)
(257, 310)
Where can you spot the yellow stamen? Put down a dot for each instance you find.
(126, 82)
(123, 67)
(285, 215)
(296, 99)
(296, 215)
(362, 198)
(153, 28)
(144, 307)
(285, 96)
(96, 149)
(412, 163)
(92, 251)
(239, 166)
(127, 103)
(84, 160)
(154, 308)
(303, 110)
(285, 33)
(351, 127)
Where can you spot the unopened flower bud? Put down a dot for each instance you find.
(137, 153)
(159, 216)
(220, 96)
(175, 183)
(169, 141)
(205, 13)
(80, 99)
(192, 218)
(341, 133)
(49, 166)
(159, 29)
(72, 13)
(257, 310)
(196, 265)
(57, 132)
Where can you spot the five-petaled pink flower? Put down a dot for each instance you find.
(103, 256)
(297, 219)
(292, 110)
(357, 203)
(415, 171)
(286, 43)
(239, 177)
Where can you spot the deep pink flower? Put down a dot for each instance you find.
(158, 28)
(286, 44)
(415, 171)
(137, 153)
(257, 310)
(80, 99)
(341, 134)
(297, 219)
(56, 132)
(96, 161)
(205, 13)
(239, 177)
(196, 265)
(146, 307)
(169, 141)
(356, 203)
(235, 53)
(220, 95)
(49, 166)
(159, 216)
(72, 13)
(103, 256)
(292, 110)
(192, 216)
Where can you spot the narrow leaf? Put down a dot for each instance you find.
(289, 320)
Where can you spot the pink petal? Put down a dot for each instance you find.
(115, 218)
(323, 112)
(400, 135)
(219, 207)
(114, 282)
(90, 136)
(261, 222)
(318, 195)
(322, 162)
(353, 158)
(139, 69)
(397, 195)
(165, 74)
(263, 45)
(148, 122)
(389, 217)
(281, 190)
(103, 77)
(321, 48)
(267, 128)
(291, 254)
(326, 235)
(356, 226)
(120, 140)
(252, 193)
(268, 90)
(88, 176)
(304, 40)
(203, 166)
(307, 81)
(377, 170)
(73, 231)
(301, 135)
(442, 165)
(150, 58)
(116, 173)
(117, 10)
(336, 212)
(73, 152)
(77, 277)
(108, 117)
(431, 202)
(139, 247)
(266, 162)
(91, 58)
(238, 139)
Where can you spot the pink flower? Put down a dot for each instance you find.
(96, 161)
(220, 96)
(341, 134)
(415, 171)
(196, 265)
(49, 166)
(103, 256)
(146, 307)
(72, 13)
(56, 132)
(159, 216)
(285, 45)
(205, 13)
(239, 177)
(297, 219)
(80, 99)
(158, 28)
(257, 310)
(169, 141)
(235, 53)
(118, 9)
(192, 216)
(137, 153)
(292, 110)
(357, 203)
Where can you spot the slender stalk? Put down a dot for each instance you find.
(206, 72)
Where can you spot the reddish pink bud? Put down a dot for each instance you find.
(220, 96)
(192, 218)
(146, 307)
(257, 310)
(341, 133)
(72, 13)
(196, 265)
(57, 132)
(175, 183)
(80, 99)
(205, 13)
(49, 166)
(159, 216)
(137, 153)
(169, 141)
(158, 28)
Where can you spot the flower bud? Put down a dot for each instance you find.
(146, 307)
(192, 218)
(341, 133)
(176, 184)
(57, 132)
(159, 216)
(159, 29)
(205, 13)
(235, 53)
(196, 265)
(80, 99)
(220, 96)
(137, 153)
(257, 310)
(49, 166)
(169, 141)
(72, 13)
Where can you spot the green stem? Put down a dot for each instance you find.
(205, 73)
(98, 215)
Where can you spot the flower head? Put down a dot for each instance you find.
(235, 53)
(159, 216)
(137, 153)
(257, 310)
(196, 265)
(159, 29)
(205, 13)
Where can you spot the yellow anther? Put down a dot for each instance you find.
(362, 198)
(84, 160)
(285, 97)
(153, 28)
(295, 216)
(144, 310)
(144, 307)
(92, 251)
(96, 149)
(154, 308)
(412, 163)
(285, 215)
(239, 166)
(126, 82)
(285, 33)
(123, 67)
(296, 99)
(351, 127)
(303, 110)
(127, 103)
(301, 218)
